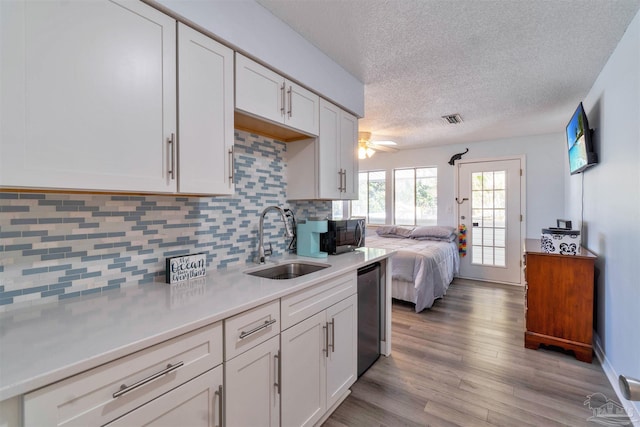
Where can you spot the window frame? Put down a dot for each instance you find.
(415, 191)
(367, 216)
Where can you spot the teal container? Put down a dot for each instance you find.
(308, 237)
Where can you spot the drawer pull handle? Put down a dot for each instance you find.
(266, 324)
(124, 389)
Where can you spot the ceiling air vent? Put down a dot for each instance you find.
(452, 119)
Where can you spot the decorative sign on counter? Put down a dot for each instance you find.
(181, 268)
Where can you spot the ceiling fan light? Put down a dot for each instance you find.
(370, 152)
(362, 152)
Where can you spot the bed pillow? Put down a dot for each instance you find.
(437, 239)
(394, 231)
(434, 232)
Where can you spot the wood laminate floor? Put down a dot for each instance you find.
(463, 363)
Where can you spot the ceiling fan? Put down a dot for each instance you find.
(367, 148)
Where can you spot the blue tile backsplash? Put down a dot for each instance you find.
(57, 246)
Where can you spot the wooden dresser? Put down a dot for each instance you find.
(559, 300)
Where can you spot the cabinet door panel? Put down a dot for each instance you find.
(205, 105)
(259, 91)
(193, 404)
(251, 396)
(329, 140)
(304, 372)
(348, 154)
(343, 357)
(303, 109)
(84, 106)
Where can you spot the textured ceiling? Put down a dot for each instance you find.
(509, 68)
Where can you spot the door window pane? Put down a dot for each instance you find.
(488, 211)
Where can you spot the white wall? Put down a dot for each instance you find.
(544, 169)
(612, 202)
(252, 29)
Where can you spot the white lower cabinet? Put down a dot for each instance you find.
(103, 394)
(252, 367)
(342, 360)
(252, 386)
(196, 403)
(265, 377)
(319, 358)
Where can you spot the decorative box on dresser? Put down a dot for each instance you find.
(559, 300)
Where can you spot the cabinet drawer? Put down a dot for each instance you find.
(303, 304)
(196, 403)
(246, 330)
(88, 398)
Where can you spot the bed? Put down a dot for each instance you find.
(424, 264)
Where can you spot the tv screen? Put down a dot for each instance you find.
(581, 154)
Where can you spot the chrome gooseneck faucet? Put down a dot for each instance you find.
(261, 251)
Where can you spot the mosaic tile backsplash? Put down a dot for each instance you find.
(57, 246)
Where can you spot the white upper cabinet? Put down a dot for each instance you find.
(263, 93)
(349, 155)
(205, 109)
(88, 96)
(326, 168)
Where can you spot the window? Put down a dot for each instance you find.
(339, 210)
(371, 197)
(416, 196)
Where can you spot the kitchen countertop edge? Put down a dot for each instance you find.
(231, 283)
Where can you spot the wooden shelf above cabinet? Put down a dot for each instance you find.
(251, 124)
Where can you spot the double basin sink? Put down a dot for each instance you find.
(287, 270)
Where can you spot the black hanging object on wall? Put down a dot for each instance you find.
(457, 157)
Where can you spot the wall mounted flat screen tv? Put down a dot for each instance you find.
(579, 141)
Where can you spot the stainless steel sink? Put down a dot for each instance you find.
(289, 270)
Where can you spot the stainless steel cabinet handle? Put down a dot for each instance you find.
(124, 389)
(279, 374)
(344, 177)
(266, 324)
(282, 107)
(340, 181)
(290, 112)
(231, 166)
(326, 340)
(172, 153)
(220, 414)
(333, 335)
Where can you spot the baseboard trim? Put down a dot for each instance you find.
(632, 408)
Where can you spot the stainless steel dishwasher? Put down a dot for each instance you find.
(368, 316)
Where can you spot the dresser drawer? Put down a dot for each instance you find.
(88, 398)
(250, 328)
(303, 304)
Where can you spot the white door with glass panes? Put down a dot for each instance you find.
(489, 205)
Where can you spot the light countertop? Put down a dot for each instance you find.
(46, 343)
